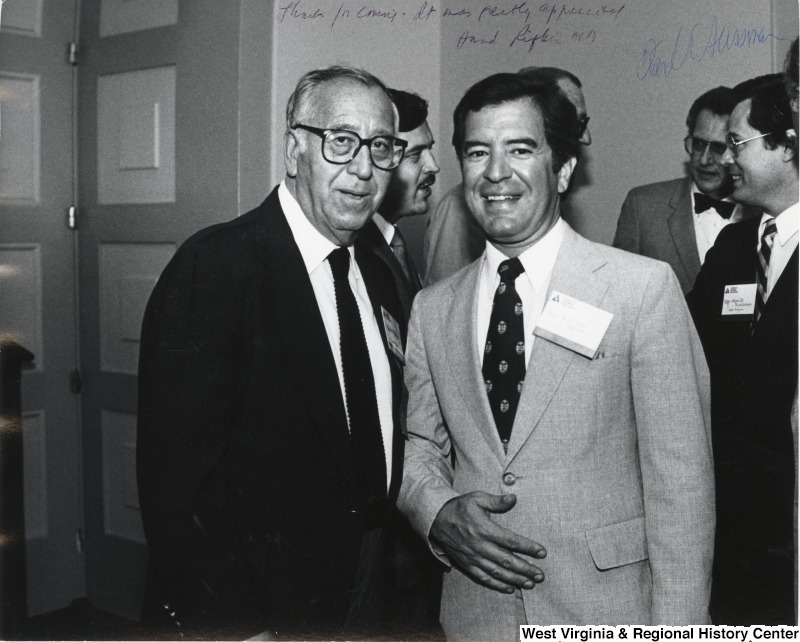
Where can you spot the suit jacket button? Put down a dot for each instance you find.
(509, 479)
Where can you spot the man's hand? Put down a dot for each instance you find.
(485, 551)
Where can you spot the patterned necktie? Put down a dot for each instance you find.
(359, 385)
(400, 252)
(762, 269)
(504, 356)
(703, 202)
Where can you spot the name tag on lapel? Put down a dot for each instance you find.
(393, 335)
(739, 301)
(573, 324)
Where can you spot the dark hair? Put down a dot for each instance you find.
(558, 113)
(770, 112)
(791, 73)
(553, 74)
(413, 109)
(720, 101)
(308, 84)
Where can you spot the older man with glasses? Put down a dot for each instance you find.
(269, 445)
(677, 221)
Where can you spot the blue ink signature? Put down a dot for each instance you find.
(688, 46)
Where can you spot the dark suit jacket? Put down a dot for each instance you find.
(371, 236)
(247, 481)
(753, 383)
(656, 221)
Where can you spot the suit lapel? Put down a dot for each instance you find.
(681, 225)
(292, 314)
(372, 238)
(378, 280)
(458, 317)
(573, 274)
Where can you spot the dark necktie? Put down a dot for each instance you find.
(359, 385)
(703, 202)
(400, 252)
(762, 268)
(504, 356)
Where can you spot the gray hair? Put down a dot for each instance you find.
(308, 84)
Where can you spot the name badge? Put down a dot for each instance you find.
(393, 335)
(739, 301)
(573, 324)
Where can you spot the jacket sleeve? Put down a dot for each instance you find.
(627, 236)
(428, 474)
(187, 388)
(670, 385)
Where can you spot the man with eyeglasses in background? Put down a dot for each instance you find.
(677, 221)
(453, 238)
(269, 446)
(744, 304)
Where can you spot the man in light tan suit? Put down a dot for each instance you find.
(563, 473)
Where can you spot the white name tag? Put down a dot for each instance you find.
(573, 324)
(739, 300)
(393, 335)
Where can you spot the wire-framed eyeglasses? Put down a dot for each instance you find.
(698, 146)
(340, 146)
(734, 144)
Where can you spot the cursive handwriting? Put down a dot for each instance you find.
(527, 35)
(467, 38)
(562, 10)
(294, 12)
(519, 8)
(695, 45)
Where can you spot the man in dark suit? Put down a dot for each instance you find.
(408, 195)
(415, 575)
(744, 304)
(269, 449)
(678, 221)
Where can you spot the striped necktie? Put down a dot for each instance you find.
(762, 269)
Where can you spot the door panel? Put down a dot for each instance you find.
(37, 285)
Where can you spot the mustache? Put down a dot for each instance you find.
(429, 180)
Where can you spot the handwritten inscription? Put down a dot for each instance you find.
(516, 21)
(694, 45)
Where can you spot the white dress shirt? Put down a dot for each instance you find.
(531, 285)
(387, 230)
(708, 225)
(784, 243)
(315, 249)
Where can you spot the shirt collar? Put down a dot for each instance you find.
(314, 248)
(538, 260)
(786, 222)
(385, 227)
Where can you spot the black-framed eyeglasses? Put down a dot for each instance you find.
(698, 146)
(340, 146)
(734, 145)
(583, 124)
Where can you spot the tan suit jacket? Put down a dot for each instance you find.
(610, 458)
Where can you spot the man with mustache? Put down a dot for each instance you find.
(678, 221)
(408, 195)
(415, 575)
(745, 306)
(269, 450)
(453, 239)
(559, 457)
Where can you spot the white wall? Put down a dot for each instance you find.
(637, 119)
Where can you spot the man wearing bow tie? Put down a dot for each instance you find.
(678, 221)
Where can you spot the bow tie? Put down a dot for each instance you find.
(703, 203)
